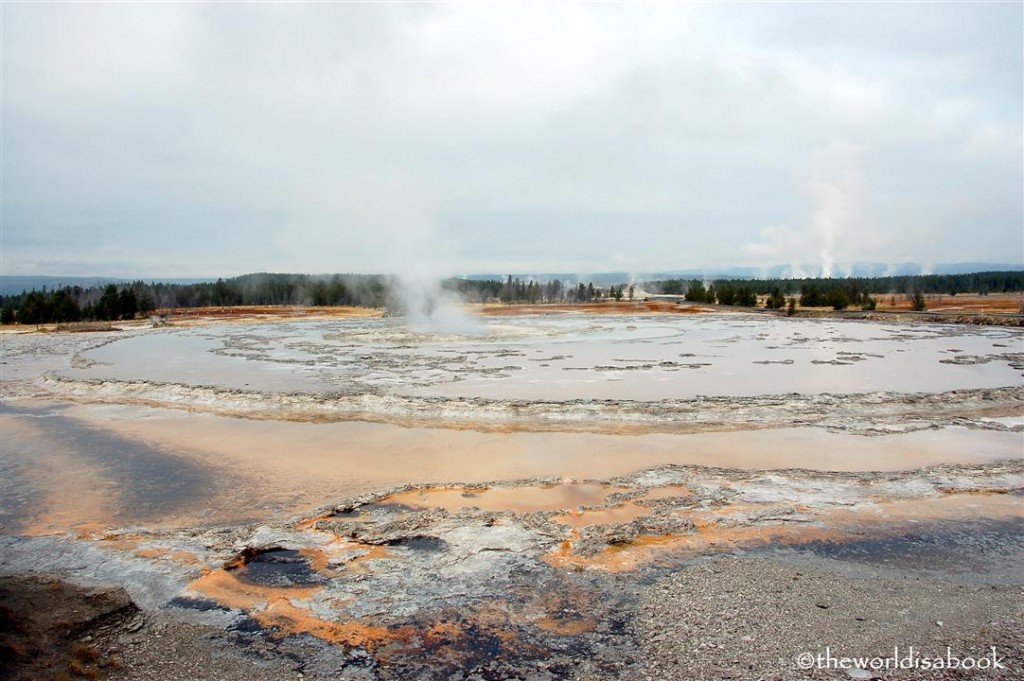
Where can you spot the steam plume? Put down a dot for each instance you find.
(835, 186)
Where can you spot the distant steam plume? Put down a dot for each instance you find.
(832, 234)
(836, 188)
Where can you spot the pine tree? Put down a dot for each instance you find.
(917, 303)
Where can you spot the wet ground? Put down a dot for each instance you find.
(380, 365)
(143, 483)
(372, 502)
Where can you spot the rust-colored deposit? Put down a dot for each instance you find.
(452, 634)
(288, 619)
(284, 609)
(227, 589)
(524, 499)
(564, 612)
(285, 612)
(722, 529)
(616, 515)
(164, 553)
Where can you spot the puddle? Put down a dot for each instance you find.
(419, 543)
(529, 499)
(61, 472)
(600, 358)
(278, 568)
(623, 514)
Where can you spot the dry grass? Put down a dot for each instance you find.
(83, 661)
(995, 303)
(274, 311)
(967, 303)
(85, 653)
(620, 307)
(971, 303)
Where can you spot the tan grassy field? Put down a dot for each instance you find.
(999, 303)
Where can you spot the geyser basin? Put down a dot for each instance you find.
(379, 365)
(445, 526)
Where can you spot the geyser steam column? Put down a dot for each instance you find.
(404, 235)
(429, 308)
(836, 187)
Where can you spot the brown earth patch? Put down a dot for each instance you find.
(50, 629)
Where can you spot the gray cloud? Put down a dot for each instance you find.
(190, 139)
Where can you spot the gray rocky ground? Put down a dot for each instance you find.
(761, 566)
(747, 618)
(725, 618)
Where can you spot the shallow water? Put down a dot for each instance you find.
(528, 499)
(390, 406)
(113, 464)
(569, 357)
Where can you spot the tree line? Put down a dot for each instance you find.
(529, 291)
(74, 304)
(127, 301)
(838, 294)
(130, 300)
(948, 284)
(721, 292)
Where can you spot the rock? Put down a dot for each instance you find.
(265, 538)
(136, 623)
(860, 674)
(45, 623)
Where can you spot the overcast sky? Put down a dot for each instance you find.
(217, 139)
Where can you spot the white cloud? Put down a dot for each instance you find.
(227, 137)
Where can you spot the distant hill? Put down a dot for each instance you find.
(13, 285)
(841, 270)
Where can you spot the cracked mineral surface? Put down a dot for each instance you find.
(561, 496)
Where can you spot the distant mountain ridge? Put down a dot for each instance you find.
(15, 284)
(841, 271)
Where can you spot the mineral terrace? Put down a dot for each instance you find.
(555, 496)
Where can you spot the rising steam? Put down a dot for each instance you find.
(835, 186)
(430, 308)
(835, 189)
